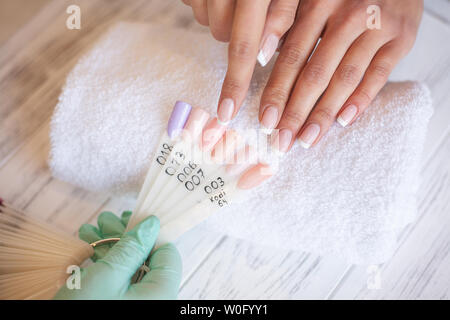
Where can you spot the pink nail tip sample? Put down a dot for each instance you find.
(224, 149)
(254, 176)
(242, 159)
(195, 124)
(282, 140)
(212, 132)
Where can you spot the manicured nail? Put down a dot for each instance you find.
(212, 133)
(178, 118)
(225, 111)
(254, 176)
(268, 49)
(309, 135)
(194, 125)
(282, 140)
(269, 119)
(347, 115)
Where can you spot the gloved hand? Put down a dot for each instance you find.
(109, 226)
(110, 276)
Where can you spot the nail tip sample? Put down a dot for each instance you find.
(261, 59)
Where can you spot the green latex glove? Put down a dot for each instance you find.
(110, 276)
(109, 226)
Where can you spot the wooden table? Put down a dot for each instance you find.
(34, 62)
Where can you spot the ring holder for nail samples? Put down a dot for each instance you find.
(197, 168)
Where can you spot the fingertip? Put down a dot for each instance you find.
(110, 225)
(105, 216)
(167, 255)
(146, 231)
(125, 218)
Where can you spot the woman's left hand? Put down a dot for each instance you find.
(347, 69)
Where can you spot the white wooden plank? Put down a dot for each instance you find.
(421, 266)
(429, 62)
(239, 270)
(439, 8)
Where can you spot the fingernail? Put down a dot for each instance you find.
(283, 140)
(268, 49)
(347, 115)
(309, 135)
(254, 176)
(225, 111)
(269, 119)
(178, 118)
(212, 133)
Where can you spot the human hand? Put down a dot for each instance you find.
(346, 71)
(344, 74)
(246, 24)
(110, 277)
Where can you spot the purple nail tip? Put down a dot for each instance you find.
(178, 118)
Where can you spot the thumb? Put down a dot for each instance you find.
(127, 255)
(163, 279)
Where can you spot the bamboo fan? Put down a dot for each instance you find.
(198, 168)
(34, 256)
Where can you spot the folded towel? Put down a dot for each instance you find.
(351, 194)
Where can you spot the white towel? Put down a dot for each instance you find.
(350, 195)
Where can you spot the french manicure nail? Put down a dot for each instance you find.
(309, 135)
(178, 118)
(268, 49)
(347, 115)
(225, 111)
(282, 140)
(269, 119)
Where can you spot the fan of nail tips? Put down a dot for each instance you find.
(198, 168)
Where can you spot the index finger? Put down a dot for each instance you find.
(248, 25)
